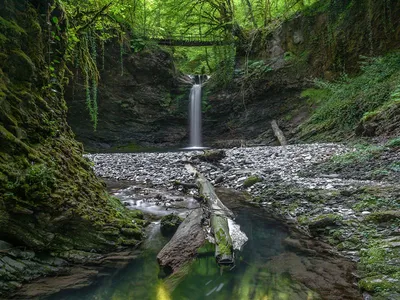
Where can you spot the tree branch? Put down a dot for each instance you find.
(91, 21)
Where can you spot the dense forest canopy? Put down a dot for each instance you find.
(199, 17)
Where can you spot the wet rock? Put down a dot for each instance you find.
(213, 156)
(324, 221)
(384, 216)
(219, 179)
(250, 181)
(169, 224)
(17, 253)
(132, 232)
(79, 257)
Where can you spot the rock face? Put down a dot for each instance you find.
(140, 106)
(51, 203)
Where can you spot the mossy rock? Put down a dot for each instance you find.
(136, 233)
(20, 67)
(384, 216)
(169, 224)
(379, 283)
(323, 221)
(250, 181)
(212, 156)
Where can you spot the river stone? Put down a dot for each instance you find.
(384, 216)
(323, 222)
(169, 224)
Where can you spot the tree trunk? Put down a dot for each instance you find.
(219, 215)
(250, 13)
(183, 246)
(278, 133)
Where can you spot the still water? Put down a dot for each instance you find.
(252, 277)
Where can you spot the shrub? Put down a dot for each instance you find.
(351, 99)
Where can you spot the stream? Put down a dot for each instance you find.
(265, 269)
(250, 279)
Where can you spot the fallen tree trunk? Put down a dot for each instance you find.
(190, 235)
(219, 215)
(184, 244)
(278, 133)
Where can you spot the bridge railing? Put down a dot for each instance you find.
(170, 39)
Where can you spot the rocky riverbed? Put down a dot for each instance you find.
(356, 215)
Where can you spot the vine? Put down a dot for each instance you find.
(78, 36)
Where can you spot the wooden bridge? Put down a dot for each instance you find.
(187, 40)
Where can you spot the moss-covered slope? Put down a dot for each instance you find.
(50, 199)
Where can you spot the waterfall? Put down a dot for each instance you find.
(195, 116)
(195, 122)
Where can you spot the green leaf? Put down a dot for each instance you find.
(55, 20)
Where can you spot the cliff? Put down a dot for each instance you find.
(141, 102)
(52, 207)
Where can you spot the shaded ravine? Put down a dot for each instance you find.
(269, 266)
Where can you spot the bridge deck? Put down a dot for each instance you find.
(192, 40)
(189, 43)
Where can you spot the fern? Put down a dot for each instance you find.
(395, 96)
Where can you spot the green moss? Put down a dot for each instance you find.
(315, 96)
(136, 233)
(393, 142)
(50, 199)
(224, 246)
(351, 100)
(169, 224)
(384, 216)
(11, 27)
(250, 181)
(374, 203)
(379, 283)
(206, 249)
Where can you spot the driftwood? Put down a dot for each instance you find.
(219, 215)
(190, 235)
(186, 186)
(184, 244)
(278, 133)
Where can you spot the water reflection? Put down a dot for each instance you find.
(203, 279)
(251, 279)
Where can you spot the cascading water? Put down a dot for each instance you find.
(195, 117)
(195, 113)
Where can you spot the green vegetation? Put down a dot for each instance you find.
(169, 224)
(45, 183)
(250, 181)
(341, 105)
(373, 203)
